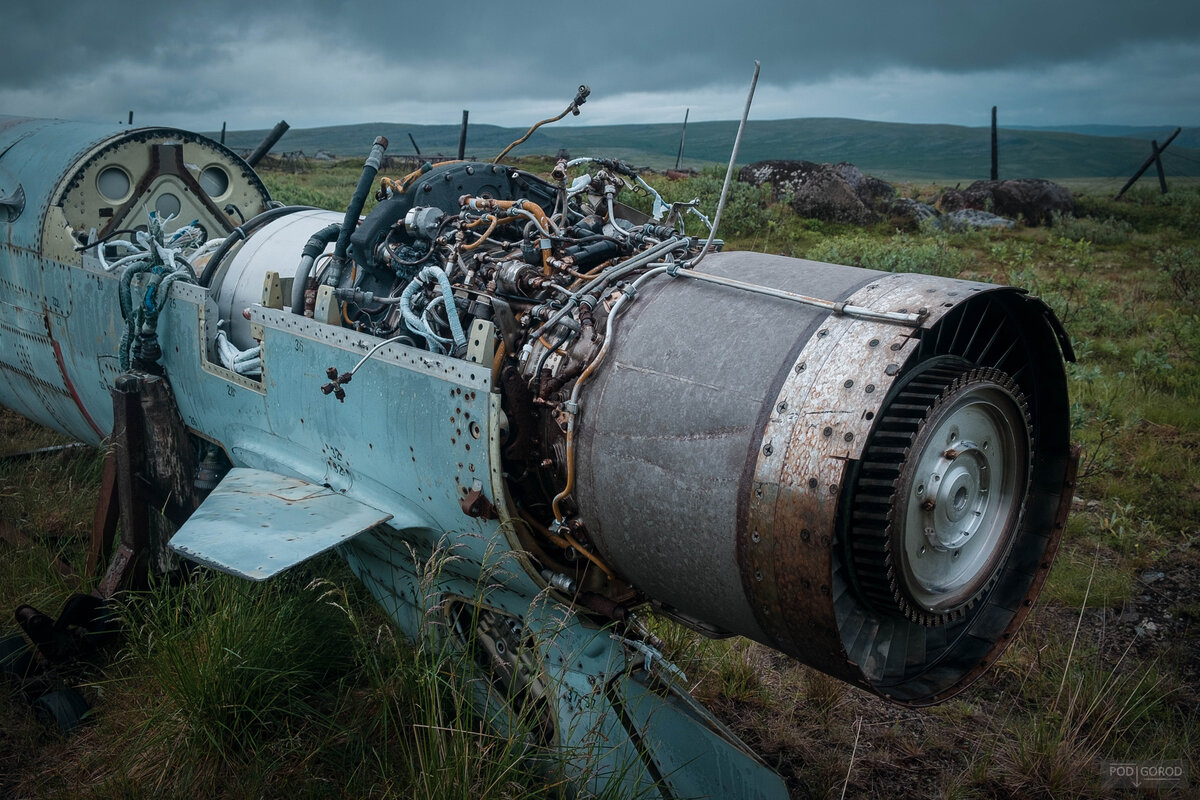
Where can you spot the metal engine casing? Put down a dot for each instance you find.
(720, 442)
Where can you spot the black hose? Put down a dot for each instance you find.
(241, 232)
(103, 239)
(321, 239)
(354, 210)
(314, 247)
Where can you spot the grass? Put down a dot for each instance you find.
(296, 687)
(300, 686)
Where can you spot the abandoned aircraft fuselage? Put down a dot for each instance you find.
(861, 469)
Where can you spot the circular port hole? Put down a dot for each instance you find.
(215, 181)
(167, 205)
(113, 184)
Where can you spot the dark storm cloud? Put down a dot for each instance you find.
(305, 57)
(654, 44)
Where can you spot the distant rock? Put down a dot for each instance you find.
(831, 192)
(1033, 200)
(907, 208)
(968, 219)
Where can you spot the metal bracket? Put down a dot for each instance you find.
(475, 504)
(481, 342)
(275, 289)
(327, 309)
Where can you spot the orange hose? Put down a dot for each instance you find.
(488, 204)
(587, 373)
(566, 541)
(401, 185)
(497, 362)
(550, 347)
(486, 234)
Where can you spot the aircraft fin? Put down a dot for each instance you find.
(256, 524)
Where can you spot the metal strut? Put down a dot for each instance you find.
(840, 309)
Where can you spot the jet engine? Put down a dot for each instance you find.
(863, 470)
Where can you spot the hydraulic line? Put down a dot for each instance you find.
(839, 309)
(580, 98)
(315, 246)
(737, 143)
(238, 234)
(417, 324)
(354, 209)
(484, 236)
(524, 208)
(611, 275)
(566, 540)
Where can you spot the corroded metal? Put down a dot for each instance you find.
(792, 547)
(824, 413)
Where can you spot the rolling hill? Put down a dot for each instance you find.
(894, 151)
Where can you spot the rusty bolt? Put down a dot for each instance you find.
(928, 504)
(950, 454)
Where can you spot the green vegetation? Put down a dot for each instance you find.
(300, 688)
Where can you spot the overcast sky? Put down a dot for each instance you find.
(1043, 62)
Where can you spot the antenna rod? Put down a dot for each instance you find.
(737, 143)
(682, 135)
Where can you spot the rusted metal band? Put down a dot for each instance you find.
(819, 424)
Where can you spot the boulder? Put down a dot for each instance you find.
(831, 192)
(909, 209)
(968, 218)
(1034, 200)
